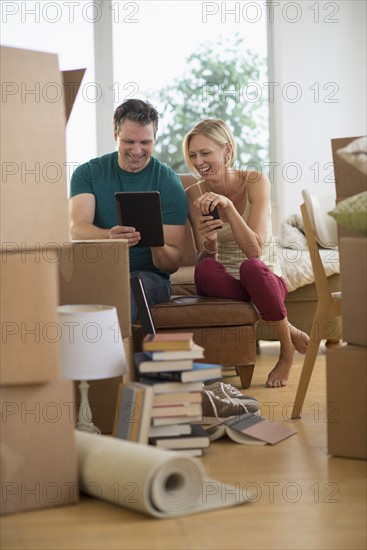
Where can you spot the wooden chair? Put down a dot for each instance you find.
(328, 310)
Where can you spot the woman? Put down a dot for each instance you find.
(237, 258)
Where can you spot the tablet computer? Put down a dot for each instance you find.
(142, 210)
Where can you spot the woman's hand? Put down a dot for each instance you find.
(207, 224)
(208, 201)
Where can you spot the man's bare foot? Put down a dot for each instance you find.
(278, 377)
(299, 339)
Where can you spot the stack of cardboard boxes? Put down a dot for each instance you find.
(97, 272)
(347, 366)
(38, 454)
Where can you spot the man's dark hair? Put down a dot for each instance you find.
(138, 111)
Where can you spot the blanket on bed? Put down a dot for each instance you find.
(294, 257)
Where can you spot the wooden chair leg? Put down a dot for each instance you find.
(318, 332)
(307, 368)
(245, 373)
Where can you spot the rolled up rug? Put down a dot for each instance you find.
(152, 481)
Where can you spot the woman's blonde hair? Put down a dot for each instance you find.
(214, 129)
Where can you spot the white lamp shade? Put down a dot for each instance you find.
(91, 343)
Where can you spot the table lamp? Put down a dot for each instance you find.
(91, 349)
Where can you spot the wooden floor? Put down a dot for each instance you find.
(303, 499)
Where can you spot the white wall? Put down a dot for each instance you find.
(313, 54)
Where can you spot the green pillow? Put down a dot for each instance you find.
(352, 212)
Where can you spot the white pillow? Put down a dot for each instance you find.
(292, 233)
(324, 227)
(355, 153)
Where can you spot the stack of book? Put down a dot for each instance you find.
(168, 364)
(172, 378)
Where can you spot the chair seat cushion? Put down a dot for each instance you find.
(202, 311)
(182, 281)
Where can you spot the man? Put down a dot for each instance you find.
(92, 209)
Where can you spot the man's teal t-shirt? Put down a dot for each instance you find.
(103, 177)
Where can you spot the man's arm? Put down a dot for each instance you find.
(168, 257)
(81, 215)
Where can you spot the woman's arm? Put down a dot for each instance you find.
(250, 235)
(204, 233)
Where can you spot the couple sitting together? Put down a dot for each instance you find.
(235, 252)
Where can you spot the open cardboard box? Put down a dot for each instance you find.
(35, 241)
(38, 454)
(36, 104)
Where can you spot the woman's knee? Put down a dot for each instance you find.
(205, 266)
(206, 262)
(251, 266)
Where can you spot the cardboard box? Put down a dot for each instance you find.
(353, 273)
(346, 398)
(98, 272)
(348, 179)
(34, 204)
(38, 451)
(29, 323)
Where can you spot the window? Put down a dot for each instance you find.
(191, 59)
(196, 60)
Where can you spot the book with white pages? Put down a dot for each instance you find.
(217, 431)
(197, 352)
(163, 386)
(251, 429)
(177, 398)
(183, 410)
(145, 364)
(197, 438)
(170, 430)
(164, 421)
(168, 341)
(199, 371)
(133, 420)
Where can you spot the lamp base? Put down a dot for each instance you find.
(85, 423)
(88, 427)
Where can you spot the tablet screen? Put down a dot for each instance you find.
(142, 210)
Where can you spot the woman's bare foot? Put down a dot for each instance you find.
(299, 339)
(278, 377)
(291, 339)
